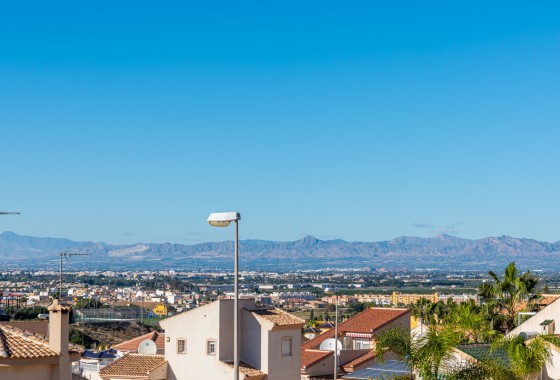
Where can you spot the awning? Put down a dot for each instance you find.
(358, 335)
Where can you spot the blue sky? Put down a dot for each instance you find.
(132, 121)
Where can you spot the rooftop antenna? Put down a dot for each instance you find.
(66, 255)
(10, 213)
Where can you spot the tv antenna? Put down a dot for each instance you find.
(66, 255)
(10, 213)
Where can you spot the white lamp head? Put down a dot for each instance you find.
(223, 219)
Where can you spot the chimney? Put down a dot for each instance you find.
(59, 320)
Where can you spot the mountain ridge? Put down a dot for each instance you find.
(401, 252)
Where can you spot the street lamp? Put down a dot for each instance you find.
(223, 219)
(331, 291)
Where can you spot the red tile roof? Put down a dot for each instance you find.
(366, 322)
(310, 357)
(132, 345)
(349, 367)
(17, 343)
(133, 365)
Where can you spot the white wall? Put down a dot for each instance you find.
(287, 367)
(252, 340)
(197, 326)
(552, 311)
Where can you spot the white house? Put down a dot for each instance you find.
(545, 322)
(199, 342)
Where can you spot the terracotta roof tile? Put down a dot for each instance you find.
(366, 322)
(133, 365)
(132, 344)
(278, 317)
(547, 299)
(349, 367)
(16, 343)
(310, 357)
(247, 369)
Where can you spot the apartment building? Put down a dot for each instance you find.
(409, 299)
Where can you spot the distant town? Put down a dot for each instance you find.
(112, 312)
(159, 294)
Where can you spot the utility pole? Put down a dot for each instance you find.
(66, 254)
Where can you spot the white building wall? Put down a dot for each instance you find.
(532, 325)
(280, 367)
(552, 311)
(195, 328)
(211, 321)
(252, 340)
(552, 369)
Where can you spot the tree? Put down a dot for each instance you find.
(426, 354)
(489, 369)
(357, 307)
(79, 337)
(504, 296)
(527, 357)
(30, 313)
(422, 308)
(469, 318)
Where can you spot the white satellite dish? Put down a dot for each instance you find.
(147, 347)
(328, 345)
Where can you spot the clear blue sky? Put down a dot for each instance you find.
(132, 121)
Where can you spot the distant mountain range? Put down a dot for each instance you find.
(439, 252)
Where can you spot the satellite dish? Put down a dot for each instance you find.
(328, 345)
(147, 347)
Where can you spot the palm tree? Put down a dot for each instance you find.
(469, 318)
(489, 369)
(426, 354)
(527, 357)
(422, 309)
(504, 296)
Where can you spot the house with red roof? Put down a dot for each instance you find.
(131, 346)
(356, 336)
(28, 355)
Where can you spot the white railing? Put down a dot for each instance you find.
(93, 367)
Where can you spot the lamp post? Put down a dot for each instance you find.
(334, 291)
(223, 219)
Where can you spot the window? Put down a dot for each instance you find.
(361, 344)
(211, 347)
(181, 346)
(287, 346)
